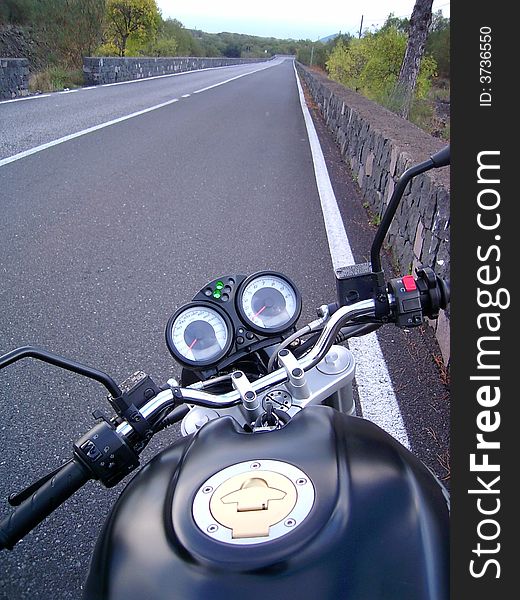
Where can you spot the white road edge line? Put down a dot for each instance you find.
(376, 393)
(24, 98)
(72, 136)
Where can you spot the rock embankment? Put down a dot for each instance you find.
(22, 42)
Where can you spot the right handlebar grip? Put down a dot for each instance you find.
(44, 501)
(441, 158)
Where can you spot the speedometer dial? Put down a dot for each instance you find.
(198, 334)
(269, 302)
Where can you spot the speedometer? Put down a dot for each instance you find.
(198, 334)
(269, 302)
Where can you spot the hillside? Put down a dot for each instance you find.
(22, 42)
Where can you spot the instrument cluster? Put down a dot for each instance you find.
(231, 314)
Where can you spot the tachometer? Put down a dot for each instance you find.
(198, 334)
(269, 302)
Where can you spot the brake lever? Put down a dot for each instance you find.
(16, 499)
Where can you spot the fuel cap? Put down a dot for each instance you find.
(253, 502)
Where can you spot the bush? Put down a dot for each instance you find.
(55, 78)
(438, 44)
(107, 49)
(164, 47)
(372, 63)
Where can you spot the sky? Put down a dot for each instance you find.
(301, 19)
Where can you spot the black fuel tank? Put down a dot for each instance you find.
(378, 528)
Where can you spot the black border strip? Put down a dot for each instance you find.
(483, 125)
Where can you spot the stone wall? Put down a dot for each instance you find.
(98, 71)
(14, 78)
(378, 146)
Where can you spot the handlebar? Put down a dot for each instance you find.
(39, 505)
(208, 400)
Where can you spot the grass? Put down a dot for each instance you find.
(374, 219)
(433, 114)
(55, 78)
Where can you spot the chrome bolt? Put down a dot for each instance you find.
(331, 358)
(290, 523)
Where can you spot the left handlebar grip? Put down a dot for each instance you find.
(45, 500)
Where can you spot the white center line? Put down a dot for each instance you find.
(210, 87)
(376, 394)
(72, 136)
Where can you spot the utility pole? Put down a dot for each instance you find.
(361, 27)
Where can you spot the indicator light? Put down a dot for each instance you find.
(217, 294)
(219, 285)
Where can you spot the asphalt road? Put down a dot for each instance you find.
(36, 120)
(104, 236)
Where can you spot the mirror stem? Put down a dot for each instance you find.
(391, 209)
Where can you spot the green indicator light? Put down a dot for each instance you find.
(219, 285)
(217, 294)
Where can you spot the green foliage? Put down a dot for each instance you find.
(134, 21)
(250, 46)
(318, 53)
(55, 78)
(372, 63)
(18, 12)
(422, 113)
(399, 23)
(232, 50)
(107, 49)
(438, 44)
(71, 28)
(164, 47)
(186, 45)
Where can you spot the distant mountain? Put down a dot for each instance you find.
(329, 37)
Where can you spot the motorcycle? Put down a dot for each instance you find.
(276, 488)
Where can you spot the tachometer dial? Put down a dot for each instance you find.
(198, 335)
(269, 302)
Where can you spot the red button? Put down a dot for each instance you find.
(409, 283)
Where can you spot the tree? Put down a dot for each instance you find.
(186, 44)
(232, 50)
(136, 18)
(90, 33)
(417, 36)
(371, 64)
(402, 24)
(438, 44)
